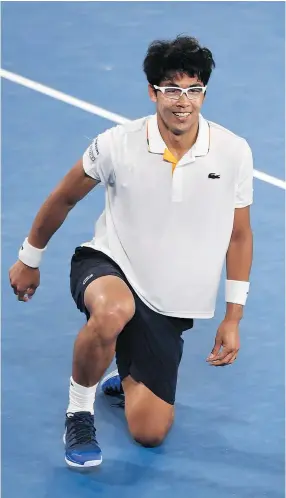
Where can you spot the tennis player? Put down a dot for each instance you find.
(177, 206)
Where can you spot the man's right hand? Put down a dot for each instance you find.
(24, 280)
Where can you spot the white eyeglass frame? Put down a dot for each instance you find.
(183, 91)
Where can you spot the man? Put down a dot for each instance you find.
(178, 191)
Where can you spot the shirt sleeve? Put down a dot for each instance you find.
(244, 187)
(97, 159)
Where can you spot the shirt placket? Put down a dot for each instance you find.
(177, 174)
(177, 184)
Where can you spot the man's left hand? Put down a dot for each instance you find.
(227, 344)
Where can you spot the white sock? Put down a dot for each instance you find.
(81, 399)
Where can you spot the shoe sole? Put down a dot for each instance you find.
(88, 464)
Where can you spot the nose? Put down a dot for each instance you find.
(184, 104)
(184, 98)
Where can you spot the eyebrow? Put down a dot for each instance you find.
(171, 83)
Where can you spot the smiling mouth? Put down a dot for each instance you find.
(182, 114)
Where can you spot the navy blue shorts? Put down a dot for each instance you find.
(150, 346)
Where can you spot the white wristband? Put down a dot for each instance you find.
(236, 291)
(30, 255)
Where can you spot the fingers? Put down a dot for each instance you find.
(215, 350)
(233, 358)
(24, 281)
(14, 287)
(31, 291)
(24, 295)
(226, 357)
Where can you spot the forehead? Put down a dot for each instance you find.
(182, 80)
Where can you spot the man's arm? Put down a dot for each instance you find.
(238, 266)
(73, 187)
(239, 256)
(94, 167)
(25, 278)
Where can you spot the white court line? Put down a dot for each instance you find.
(63, 97)
(103, 113)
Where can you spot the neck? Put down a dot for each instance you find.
(178, 144)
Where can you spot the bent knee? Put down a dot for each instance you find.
(149, 417)
(107, 319)
(149, 435)
(105, 328)
(149, 439)
(113, 315)
(109, 297)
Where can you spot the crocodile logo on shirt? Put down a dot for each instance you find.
(213, 176)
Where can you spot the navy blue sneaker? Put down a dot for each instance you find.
(111, 384)
(82, 449)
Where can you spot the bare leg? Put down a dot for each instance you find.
(149, 417)
(111, 305)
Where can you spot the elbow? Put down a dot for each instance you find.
(63, 201)
(70, 204)
(242, 236)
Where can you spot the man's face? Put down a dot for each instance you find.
(178, 115)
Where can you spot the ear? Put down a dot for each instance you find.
(152, 93)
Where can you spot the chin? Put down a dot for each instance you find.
(180, 130)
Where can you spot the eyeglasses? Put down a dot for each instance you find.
(175, 93)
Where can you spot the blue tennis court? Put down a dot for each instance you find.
(228, 438)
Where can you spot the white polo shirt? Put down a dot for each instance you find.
(169, 228)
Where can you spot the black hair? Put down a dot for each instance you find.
(184, 55)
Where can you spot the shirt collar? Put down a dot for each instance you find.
(157, 145)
